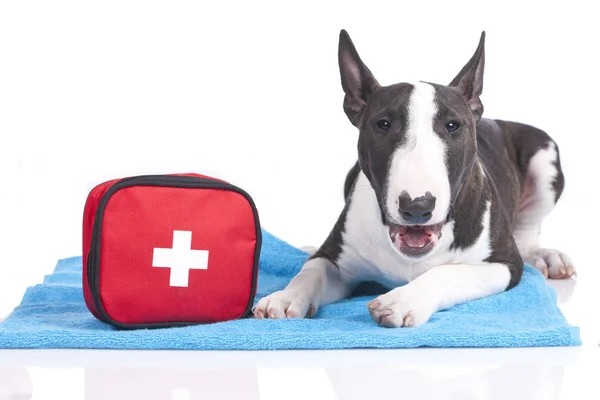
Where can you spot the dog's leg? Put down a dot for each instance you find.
(438, 289)
(320, 282)
(544, 183)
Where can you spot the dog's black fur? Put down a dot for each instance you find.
(503, 148)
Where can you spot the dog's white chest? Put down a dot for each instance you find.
(368, 255)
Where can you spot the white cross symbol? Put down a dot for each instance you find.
(181, 258)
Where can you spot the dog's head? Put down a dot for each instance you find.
(416, 145)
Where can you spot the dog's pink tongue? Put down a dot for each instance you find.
(415, 238)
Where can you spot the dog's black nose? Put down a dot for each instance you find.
(417, 211)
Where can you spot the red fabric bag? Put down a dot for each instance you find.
(169, 250)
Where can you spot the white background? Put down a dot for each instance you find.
(250, 92)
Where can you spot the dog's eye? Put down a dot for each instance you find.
(452, 126)
(384, 124)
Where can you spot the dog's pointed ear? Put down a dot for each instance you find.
(357, 81)
(469, 80)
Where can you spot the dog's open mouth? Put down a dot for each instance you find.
(415, 240)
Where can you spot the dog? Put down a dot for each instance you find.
(442, 207)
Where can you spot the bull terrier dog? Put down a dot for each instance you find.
(442, 207)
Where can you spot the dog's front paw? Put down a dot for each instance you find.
(401, 307)
(552, 263)
(284, 304)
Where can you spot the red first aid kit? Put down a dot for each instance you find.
(169, 250)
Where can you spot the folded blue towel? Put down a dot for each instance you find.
(53, 315)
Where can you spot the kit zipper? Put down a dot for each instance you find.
(190, 182)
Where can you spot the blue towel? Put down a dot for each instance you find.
(53, 315)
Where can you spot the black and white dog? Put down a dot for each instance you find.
(440, 198)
